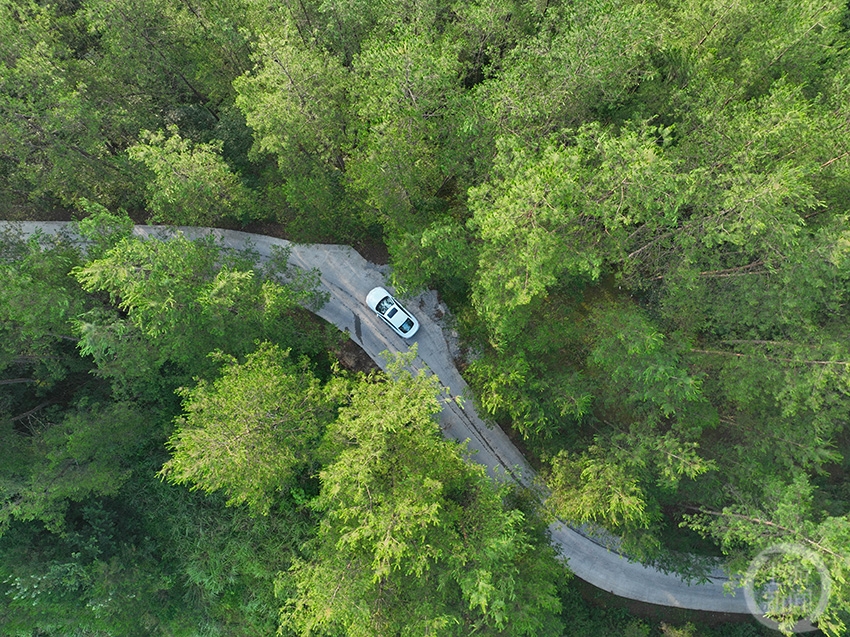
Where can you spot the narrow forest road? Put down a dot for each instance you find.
(348, 277)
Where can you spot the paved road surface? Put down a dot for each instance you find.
(348, 277)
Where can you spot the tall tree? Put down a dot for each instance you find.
(295, 100)
(192, 184)
(168, 54)
(52, 130)
(581, 65)
(403, 86)
(734, 51)
(174, 301)
(649, 415)
(414, 539)
(794, 557)
(69, 458)
(251, 431)
(38, 302)
(564, 211)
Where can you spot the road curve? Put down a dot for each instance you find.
(347, 276)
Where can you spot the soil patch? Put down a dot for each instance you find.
(373, 251)
(352, 357)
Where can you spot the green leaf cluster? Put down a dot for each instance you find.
(413, 538)
(637, 212)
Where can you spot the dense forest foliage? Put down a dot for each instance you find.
(638, 212)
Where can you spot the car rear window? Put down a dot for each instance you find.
(405, 327)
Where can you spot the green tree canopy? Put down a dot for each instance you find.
(193, 185)
(585, 59)
(564, 211)
(180, 300)
(250, 431)
(414, 539)
(404, 85)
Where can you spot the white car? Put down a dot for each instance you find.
(391, 311)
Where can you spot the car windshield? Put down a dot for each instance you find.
(384, 305)
(405, 327)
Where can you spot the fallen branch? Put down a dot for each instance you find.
(770, 358)
(730, 271)
(841, 156)
(15, 381)
(748, 518)
(32, 411)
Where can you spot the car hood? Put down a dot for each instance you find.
(375, 296)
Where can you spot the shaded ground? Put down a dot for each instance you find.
(352, 357)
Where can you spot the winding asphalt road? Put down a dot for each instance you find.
(348, 277)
